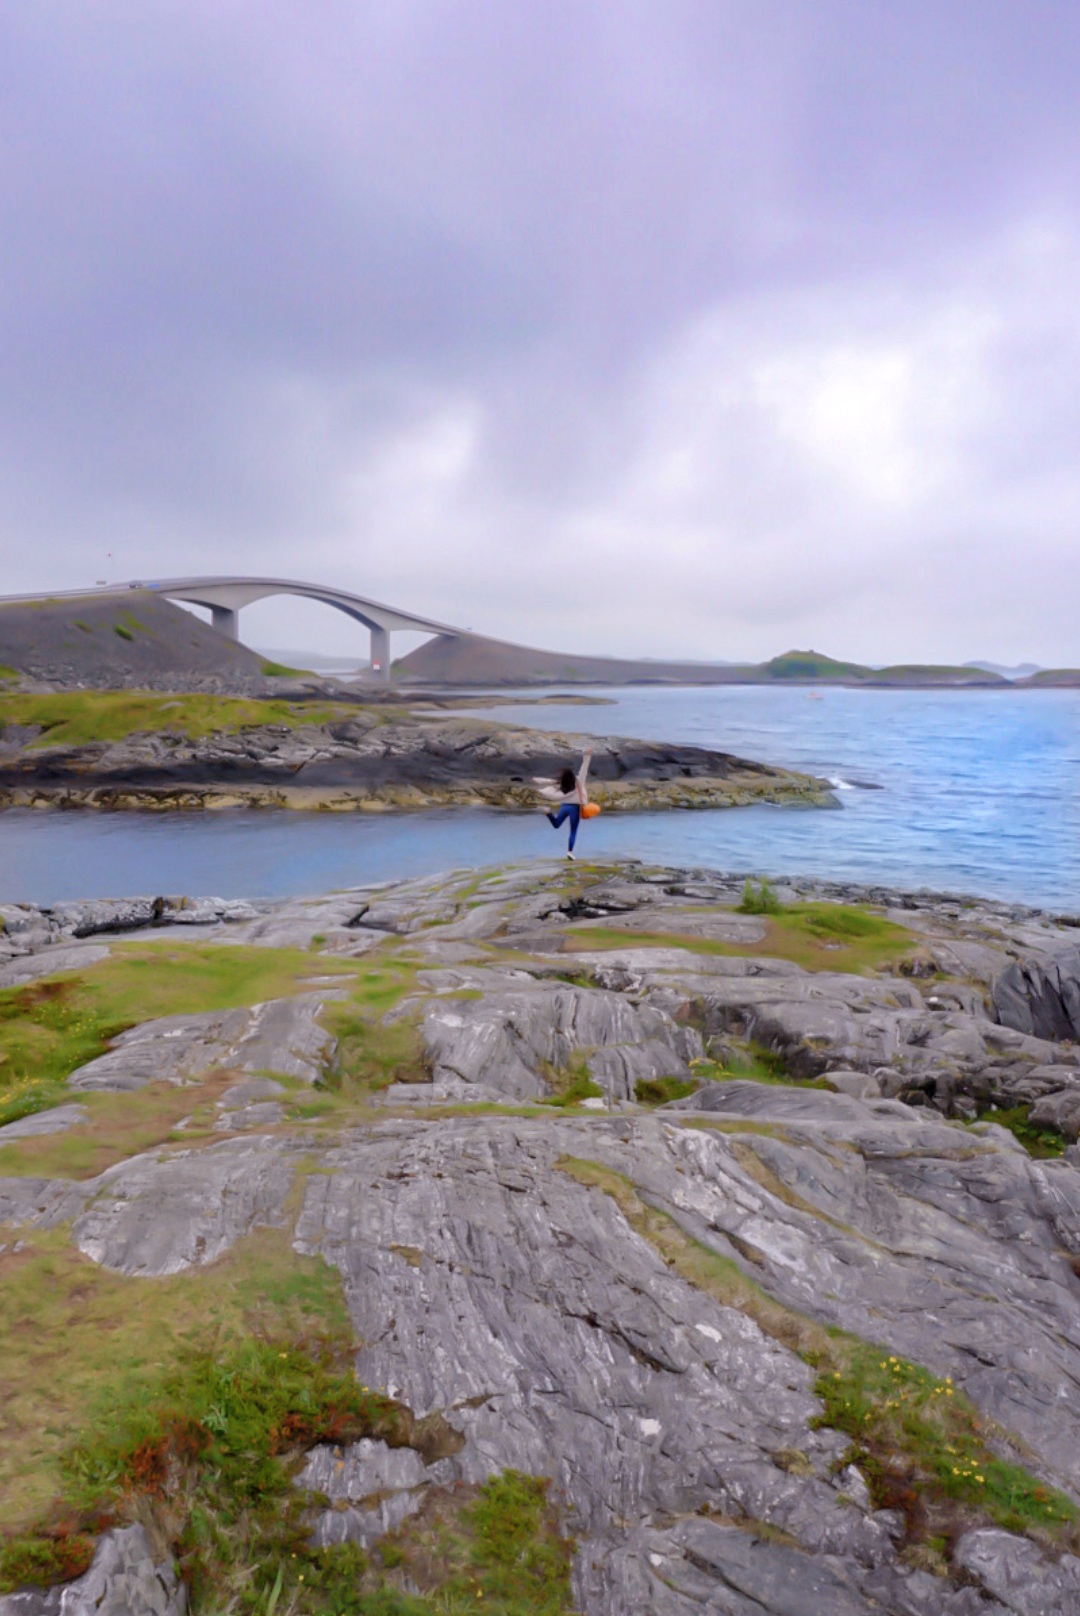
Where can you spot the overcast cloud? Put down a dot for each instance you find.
(675, 327)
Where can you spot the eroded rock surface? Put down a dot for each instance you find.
(126, 1579)
(411, 759)
(489, 1284)
(281, 1036)
(1041, 996)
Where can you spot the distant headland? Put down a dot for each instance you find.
(469, 659)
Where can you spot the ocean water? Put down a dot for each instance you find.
(975, 792)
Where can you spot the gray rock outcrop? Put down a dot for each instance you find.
(126, 1579)
(492, 1283)
(1041, 997)
(282, 1036)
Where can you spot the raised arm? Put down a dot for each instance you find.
(582, 776)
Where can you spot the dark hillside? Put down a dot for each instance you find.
(132, 640)
(1052, 679)
(470, 659)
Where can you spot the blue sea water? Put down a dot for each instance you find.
(976, 792)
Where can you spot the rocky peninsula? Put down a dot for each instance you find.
(141, 750)
(615, 1239)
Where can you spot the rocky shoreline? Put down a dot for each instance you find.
(378, 759)
(647, 1152)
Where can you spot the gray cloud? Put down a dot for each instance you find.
(698, 327)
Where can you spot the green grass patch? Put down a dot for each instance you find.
(662, 1090)
(6, 675)
(79, 623)
(369, 1055)
(817, 936)
(123, 631)
(207, 1449)
(922, 1445)
(193, 1401)
(496, 1548)
(571, 1085)
(1038, 1140)
(371, 1052)
(117, 1127)
(211, 1449)
(71, 1332)
(50, 1027)
(759, 900)
(47, 1029)
(78, 717)
(279, 670)
(756, 1064)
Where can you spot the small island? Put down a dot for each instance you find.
(136, 749)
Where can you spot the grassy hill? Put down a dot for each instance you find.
(1052, 679)
(131, 640)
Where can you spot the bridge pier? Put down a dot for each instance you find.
(380, 654)
(226, 619)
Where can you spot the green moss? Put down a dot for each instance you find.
(842, 923)
(56, 1555)
(518, 1557)
(123, 631)
(370, 1056)
(1038, 1140)
(372, 1048)
(662, 1090)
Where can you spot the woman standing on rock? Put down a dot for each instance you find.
(569, 791)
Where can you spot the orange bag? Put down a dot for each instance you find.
(590, 810)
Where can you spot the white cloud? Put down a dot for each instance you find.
(798, 457)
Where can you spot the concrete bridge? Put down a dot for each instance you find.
(225, 598)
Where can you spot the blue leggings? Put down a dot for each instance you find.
(569, 811)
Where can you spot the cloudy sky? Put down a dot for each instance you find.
(670, 327)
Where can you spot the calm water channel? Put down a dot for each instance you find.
(976, 792)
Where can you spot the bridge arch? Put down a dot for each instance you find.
(226, 597)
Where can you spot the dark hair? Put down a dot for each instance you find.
(567, 780)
